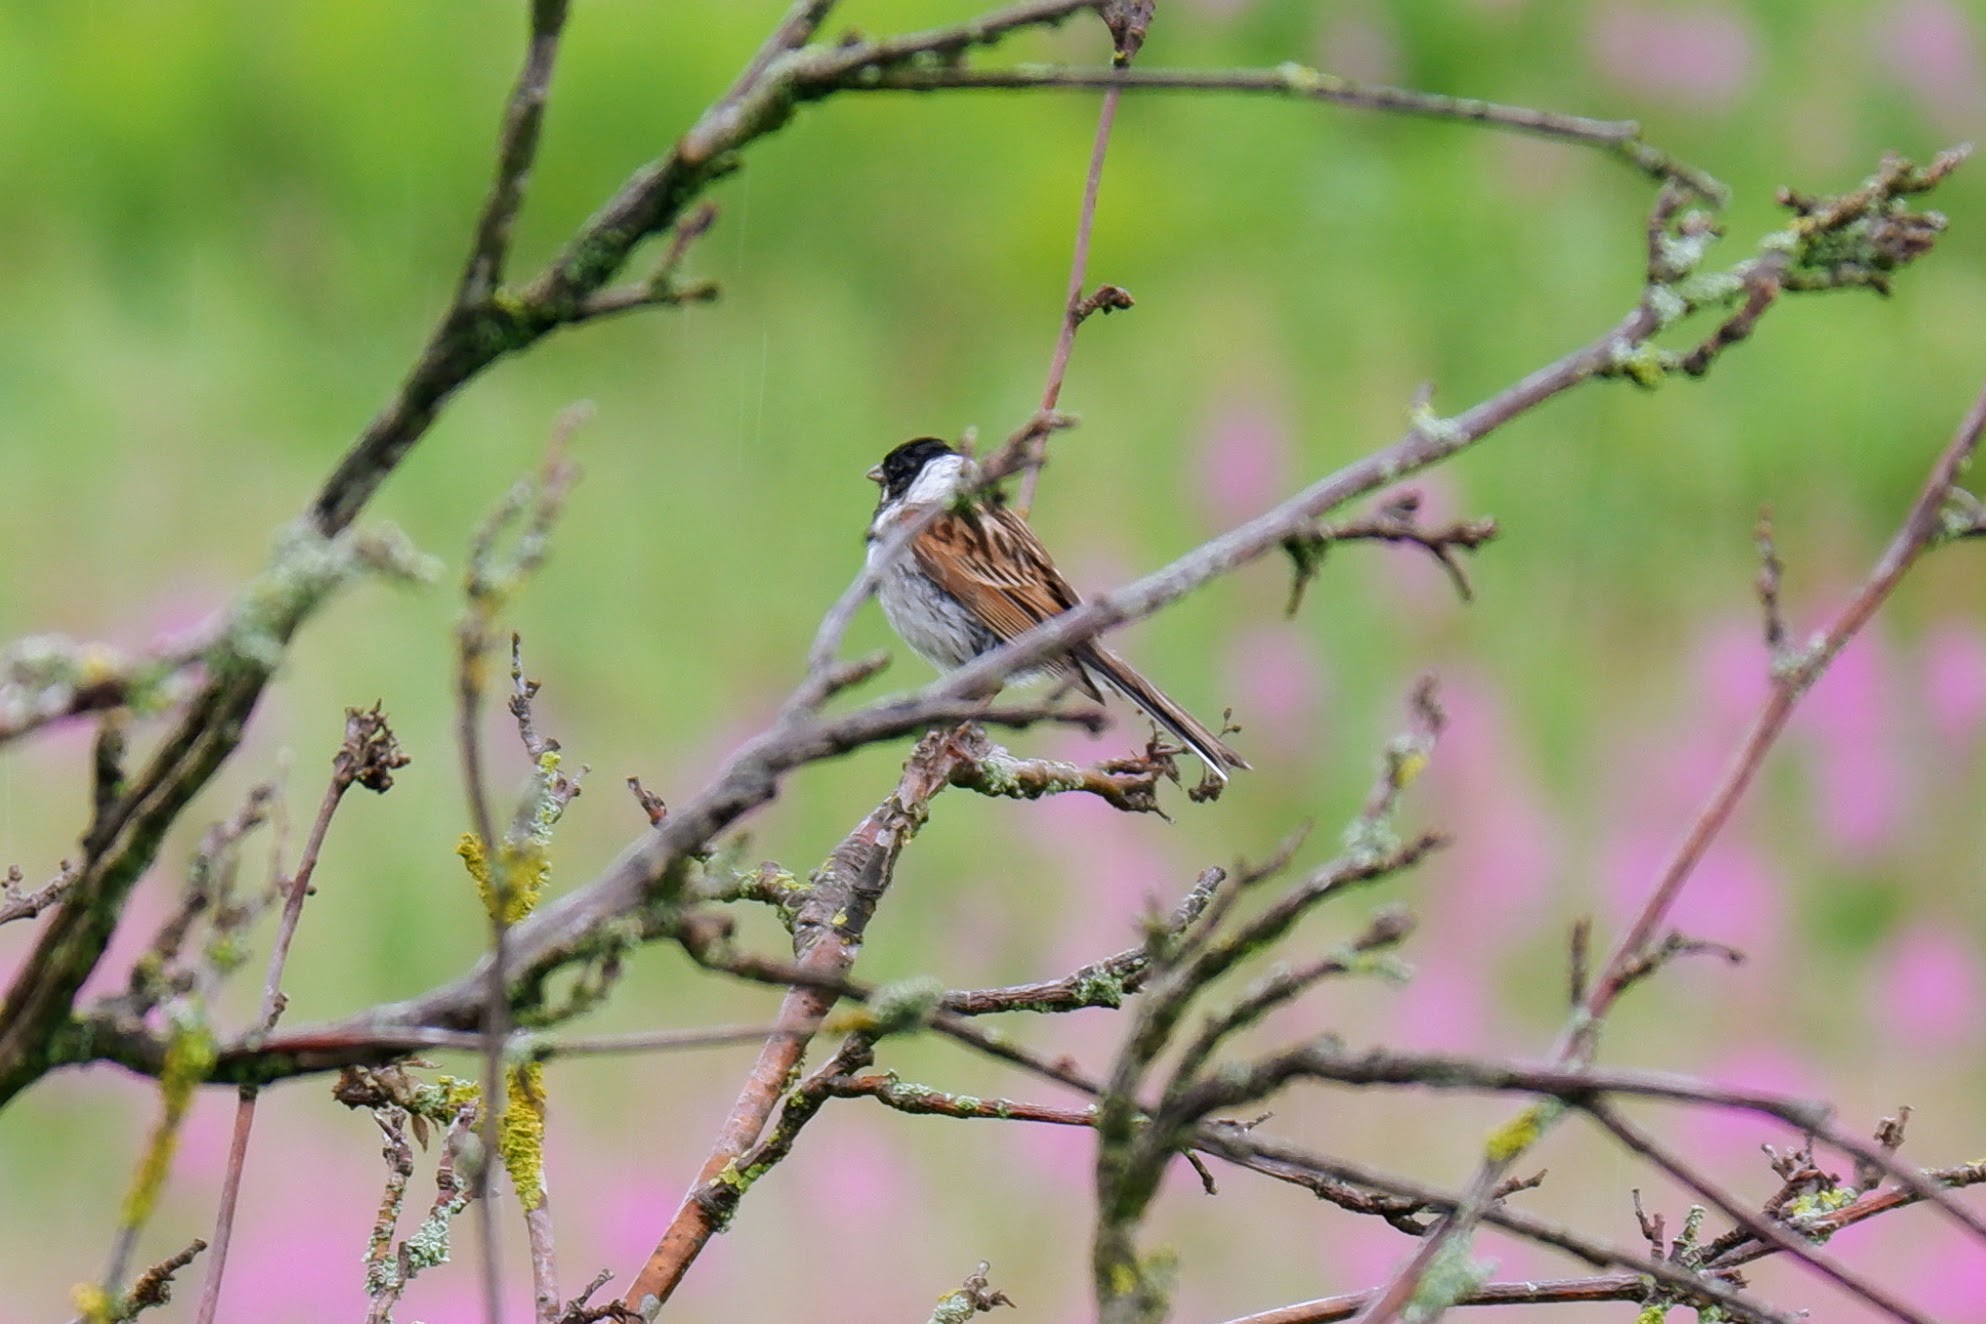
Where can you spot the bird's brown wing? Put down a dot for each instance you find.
(998, 570)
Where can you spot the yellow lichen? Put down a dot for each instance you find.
(189, 1057)
(519, 878)
(470, 848)
(1521, 1132)
(93, 1304)
(521, 1134)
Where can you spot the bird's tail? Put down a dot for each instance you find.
(1113, 671)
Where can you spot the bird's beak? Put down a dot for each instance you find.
(875, 475)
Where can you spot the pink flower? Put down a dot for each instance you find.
(1725, 1141)
(1697, 58)
(1359, 43)
(1733, 670)
(1444, 1008)
(1955, 682)
(1859, 773)
(1504, 856)
(1927, 988)
(1276, 686)
(1932, 50)
(1244, 462)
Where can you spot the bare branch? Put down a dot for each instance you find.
(16, 904)
(1765, 1230)
(1621, 138)
(368, 757)
(976, 1297)
(517, 145)
(1127, 23)
(1559, 1291)
(1921, 530)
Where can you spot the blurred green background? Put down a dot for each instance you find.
(227, 228)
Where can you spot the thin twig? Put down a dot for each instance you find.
(16, 904)
(826, 936)
(1620, 138)
(1920, 530)
(1538, 1292)
(517, 146)
(1072, 301)
(368, 757)
(1765, 1230)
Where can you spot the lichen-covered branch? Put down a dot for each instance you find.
(1922, 529)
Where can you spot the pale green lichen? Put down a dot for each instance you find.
(428, 1246)
(996, 777)
(907, 1004)
(1710, 287)
(1098, 988)
(1798, 666)
(1453, 1275)
(42, 675)
(1367, 840)
(1441, 431)
(1300, 78)
(1644, 365)
(1682, 252)
(1667, 305)
(1803, 1211)
(304, 569)
(441, 1100)
(1379, 965)
(953, 1308)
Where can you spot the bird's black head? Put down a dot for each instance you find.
(901, 466)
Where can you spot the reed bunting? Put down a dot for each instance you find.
(976, 576)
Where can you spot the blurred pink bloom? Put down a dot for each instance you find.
(1360, 1252)
(859, 1176)
(1123, 872)
(1927, 988)
(138, 924)
(1955, 682)
(1444, 1008)
(1946, 1273)
(1358, 43)
(1932, 50)
(1733, 896)
(1244, 462)
(1725, 1141)
(1277, 687)
(1859, 774)
(1061, 1159)
(284, 1267)
(1505, 854)
(1698, 58)
(1733, 672)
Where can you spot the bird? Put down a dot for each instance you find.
(976, 576)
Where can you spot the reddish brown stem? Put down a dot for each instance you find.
(1921, 528)
(827, 935)
(1072, 316)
